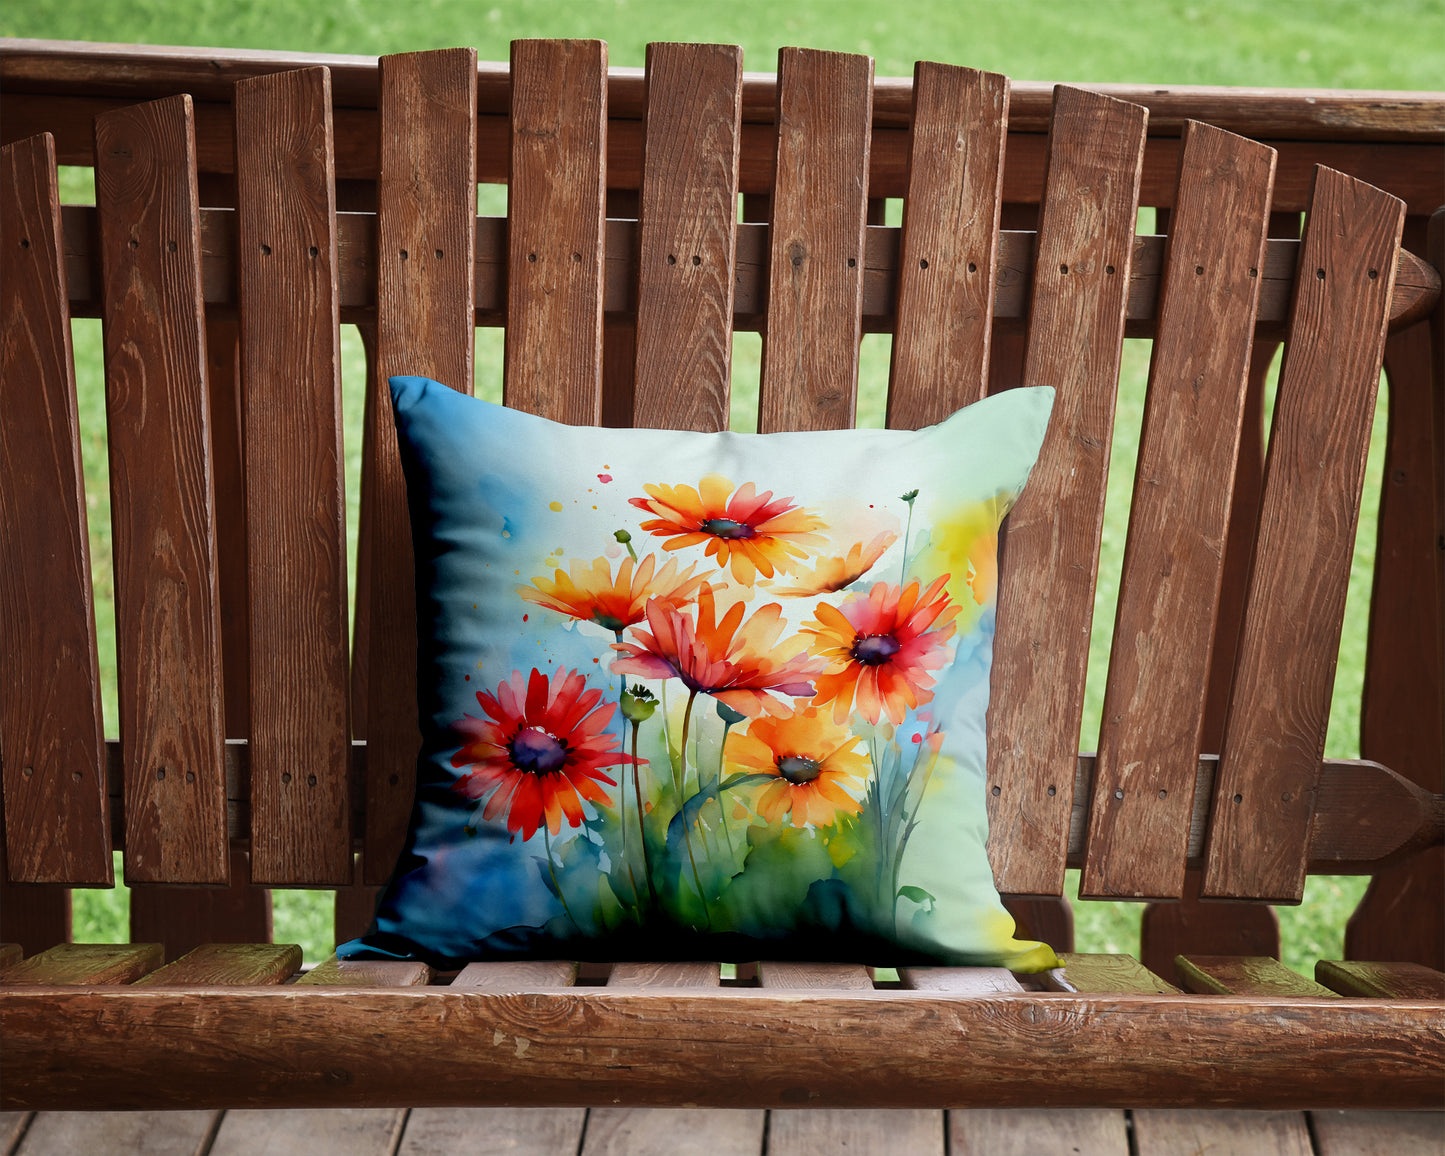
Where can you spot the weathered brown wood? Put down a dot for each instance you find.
(633, 975)
(295, 499)
(1275, 732)
(1355, 1133)
(1032, 1131)
(861, 1049)
(34, 915)
(1153, 713)
(687, 236)
(57, 825)
(959, 980)
(555, 254)
(119, 1133)
(850, 1130)
(335, 972)
(1050, 918)
(1190, 925)
(516, 1131)
(947, 267)
(1172, 1131)
(1094, 972)
(816, 260)
(168, 632)
(1384, 980)
(425, 253)
(10, 953)
(814, 976)
(519, 975)
(1380, 928)
(228, 963)
(334, 1132)
(355, 905)
(1243, 975)
(1076, 330)
(85, 963)
(674, 1132)
(183, 918)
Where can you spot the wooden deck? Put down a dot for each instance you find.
(721, 1132)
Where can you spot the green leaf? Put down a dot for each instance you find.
(917, 895)
(743, 779)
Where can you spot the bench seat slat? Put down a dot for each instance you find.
(1154, 699)
(1243, 975)
(1383, 980)
(426, 246)
(295, 497)
(228, 963)
(687, 237)
(57, 823)
(519, 975)
(1094, 972)
(1279, 708)
(960, 980)
(168, 631)
(86, 963)
(816, 260)
(335, 972)
(1046, 591)
(814, 976)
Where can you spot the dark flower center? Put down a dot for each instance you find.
(799, 769)
(608, 622)
(875, 649)
(537, 752)
(726, 528)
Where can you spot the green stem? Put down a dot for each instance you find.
(682, 807)
(722, 765)
(552, 870)
(622, 786)
(907, 531)
(641, 830)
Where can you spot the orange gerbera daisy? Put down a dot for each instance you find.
(814, 764)
(833, 574)
(539, 752)
(882, 646)
(732, 660)
(590, 592)
(751, 532)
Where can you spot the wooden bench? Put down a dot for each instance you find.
(242, 214)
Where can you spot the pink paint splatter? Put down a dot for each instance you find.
(917, 738)
(604, 478)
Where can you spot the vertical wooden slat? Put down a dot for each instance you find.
(1153, 714)
(34, 915)
(1275, 733)
(687, 236)
(295, 500)
(57, 821)
(815, 263)
(426, 221)
(555, 222)
(168, 631)
(1076, 332)
(182, 918)
(947, 266)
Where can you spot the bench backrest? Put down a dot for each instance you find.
(243, 691)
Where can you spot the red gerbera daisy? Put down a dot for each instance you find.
(539, 752)
(882, 647)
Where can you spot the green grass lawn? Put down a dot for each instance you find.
(1317, 43)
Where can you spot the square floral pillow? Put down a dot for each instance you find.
(703, 696)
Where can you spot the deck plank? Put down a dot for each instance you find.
(1169, 1132)
(1345, 1133)
(674, 1132)
(858, 1132)
(118, 1133)
(313, 1131)
(471, 1131)
(1031, 1131)
(12, 1128)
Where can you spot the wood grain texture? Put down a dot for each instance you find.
(1347, 1133)
(1400, 914)
(1096, 972)
(867, 1132)
(515, 1131)
(1153, 713)
(1035, 1131)
(333, 1132)
(85, 963)
(687, 236)
(34, 915)
(335, 972)
(1046, 592)
(1170, 1132)
(295, 499)
(947, 267)
(521, 975)
(555, 206)
(674, 1132)
(860, 1049)
(426, 212)
(814, 976)
(228, 963)
(641, 975)
(1190, 925)
(183, 918)
(1382, 980)
(57, 822)
(1275, 731)
(167, 616)
(1243, 975)
(119, 1133)
(816, 258)
(960, 980)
